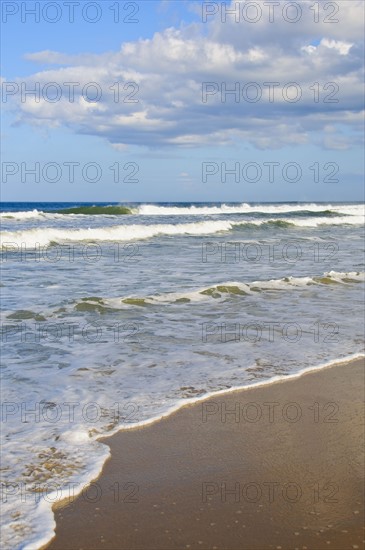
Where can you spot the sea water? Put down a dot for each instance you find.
(115, 315)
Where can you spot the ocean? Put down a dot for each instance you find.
(115, 315)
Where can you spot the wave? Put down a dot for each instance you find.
(22, 215)
(314, 221)
(135, 232)
(216, 291)
(229, 289)
(245, 208)
(112, 210)
(32, 237)
(296, 210)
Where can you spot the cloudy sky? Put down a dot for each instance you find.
(182, 101)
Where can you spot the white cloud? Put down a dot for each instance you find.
(170, 68)
(343, 48)
(309, 49)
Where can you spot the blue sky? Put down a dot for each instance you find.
(169, 135)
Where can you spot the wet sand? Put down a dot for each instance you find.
(284, 470)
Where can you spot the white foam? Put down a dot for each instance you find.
(340, 275)
(26, 215)
(47, 235)
(244, 208)
(275, 379)
(199, 295)
(43, 524)
(309, 222)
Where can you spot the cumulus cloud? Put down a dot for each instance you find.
(269, 84)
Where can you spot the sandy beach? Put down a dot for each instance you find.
(273, 467)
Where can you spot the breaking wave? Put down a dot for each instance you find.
(135, 232)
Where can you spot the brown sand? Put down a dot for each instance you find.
(294, 484)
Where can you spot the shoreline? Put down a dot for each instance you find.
(103, 438)
(263, 383)
(80, 509)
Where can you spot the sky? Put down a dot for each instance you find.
(179, 101)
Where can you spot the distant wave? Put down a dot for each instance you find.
(295, 210)
(313, 221)
(244, 208)
(135, 232)
(23, 215)
(111, 210)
